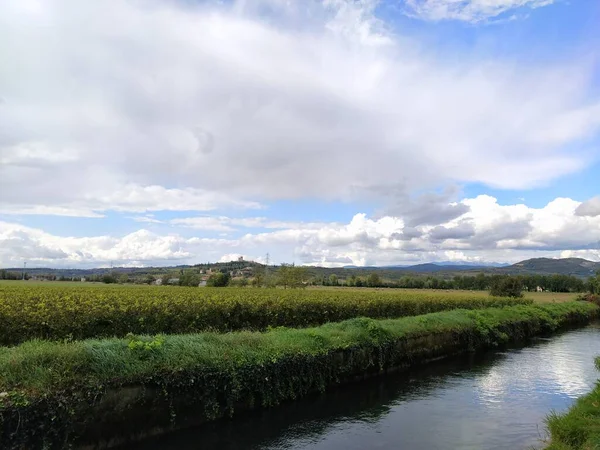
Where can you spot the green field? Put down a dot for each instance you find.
(66, 349)
(542, 297)
(55, 311)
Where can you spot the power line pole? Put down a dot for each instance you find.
(24, 269)
(267, 268)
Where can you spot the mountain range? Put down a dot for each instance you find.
(544, 266)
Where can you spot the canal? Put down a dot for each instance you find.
(496, 400)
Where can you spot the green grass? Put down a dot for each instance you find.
(88, 392)
(41, 366)
(578, 428)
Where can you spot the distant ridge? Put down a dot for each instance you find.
(566, 266)
(543, 266)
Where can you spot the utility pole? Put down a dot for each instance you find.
(24, 269)
(267, 268)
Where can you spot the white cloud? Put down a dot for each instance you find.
(590, 207)
(234, 105)
(129, 197)
(223, 223)
(469, 10)
(488, 231)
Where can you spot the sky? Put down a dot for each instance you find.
(319, 132)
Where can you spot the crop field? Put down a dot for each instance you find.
(58, 312)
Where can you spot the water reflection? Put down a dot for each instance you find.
(492, 401)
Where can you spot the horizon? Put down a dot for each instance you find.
(489, 265)
(324, 133)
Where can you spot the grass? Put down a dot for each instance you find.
(42, 366)
(90, 392)
(578, 428)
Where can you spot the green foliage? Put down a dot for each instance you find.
(594, 284)
(218, 279)
(190, 278)
(578, 428)
(291, 276)
(373, 280)
(109, 278)
(58, 312)
(507, 287)
(49, 382)
(333, 280)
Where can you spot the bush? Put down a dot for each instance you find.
(218, 280)
(507, 287)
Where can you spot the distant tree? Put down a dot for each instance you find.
(149, 279)
(109, 278)
(123, 278)
(189, 278)
(480, 283)
(218, 279)
(507, 286)
(373, 280)
(291, 276)
(594, 284)
(333, 280)
(259, 276)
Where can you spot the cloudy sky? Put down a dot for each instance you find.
(330, 132)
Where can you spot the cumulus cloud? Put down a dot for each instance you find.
(469, 10)
(488, 231)
(590, 208)
(235, 104)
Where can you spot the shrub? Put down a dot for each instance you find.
(507, 287)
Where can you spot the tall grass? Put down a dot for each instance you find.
(578, 428)
(41, 366)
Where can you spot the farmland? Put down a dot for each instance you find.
(73, 349)
(60, 312)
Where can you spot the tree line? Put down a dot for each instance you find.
(479, 282)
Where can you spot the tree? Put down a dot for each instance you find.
(292, 276)
(333, 280)
(507, 286)
(189, 278)
(594, 284)
(218, 279)
(109, 278)
(351, 280)
(373, 280)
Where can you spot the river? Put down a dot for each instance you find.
(496, 400)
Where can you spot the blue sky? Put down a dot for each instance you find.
(321, 132)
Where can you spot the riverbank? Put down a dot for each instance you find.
(578, 428)
(114, 390)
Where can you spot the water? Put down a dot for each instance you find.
(492, 401)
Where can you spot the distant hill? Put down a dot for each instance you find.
(566, 266)
(542, 266)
